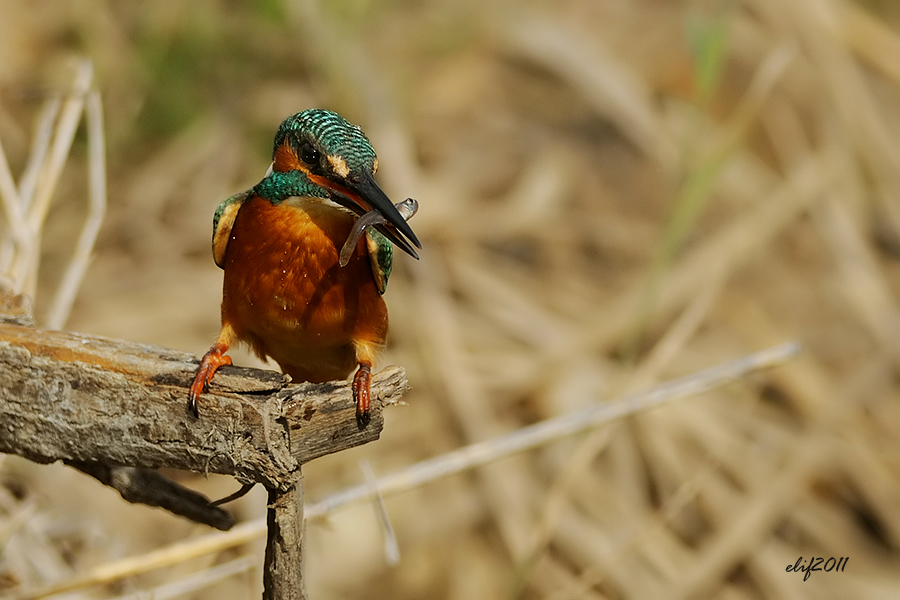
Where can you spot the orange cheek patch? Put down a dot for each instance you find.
(286, 160)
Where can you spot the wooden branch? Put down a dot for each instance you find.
(88, 399)
(143, 486)
(285, 545)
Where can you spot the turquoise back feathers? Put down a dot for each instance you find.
(381, 255)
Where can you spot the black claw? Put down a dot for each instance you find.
(362, 419)
(192, 407)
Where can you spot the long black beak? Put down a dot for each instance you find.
(370, 197)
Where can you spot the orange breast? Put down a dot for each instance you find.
(286, 295)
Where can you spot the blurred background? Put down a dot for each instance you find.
(612, 193)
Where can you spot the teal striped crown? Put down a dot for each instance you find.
(330, 134)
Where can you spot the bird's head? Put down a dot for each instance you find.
(337, 157)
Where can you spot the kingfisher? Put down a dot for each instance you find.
(307, 253)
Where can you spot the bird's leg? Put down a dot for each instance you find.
(362, 382)
(209, 364)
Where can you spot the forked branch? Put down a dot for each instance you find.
(88, 399)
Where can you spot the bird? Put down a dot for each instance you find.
(306, 254)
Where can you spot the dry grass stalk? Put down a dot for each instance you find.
(26, 265)
(194, 582)
(74, 275)
(26, 206)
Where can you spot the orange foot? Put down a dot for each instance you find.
(361, 387)
(210, 363)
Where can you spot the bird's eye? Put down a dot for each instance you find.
(309, 155)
